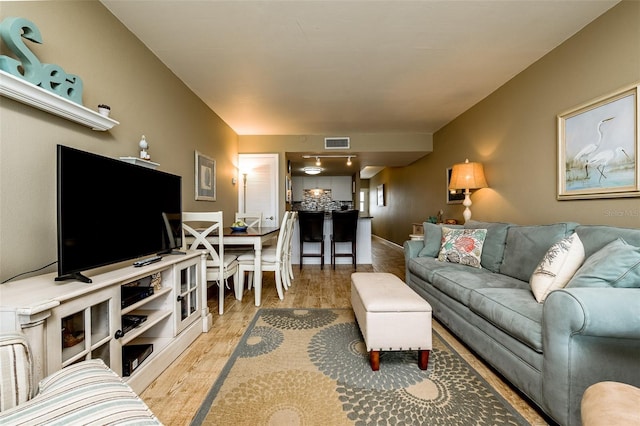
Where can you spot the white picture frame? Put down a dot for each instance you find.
(381, 195)
(205, 177)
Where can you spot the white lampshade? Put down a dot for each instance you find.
(467, 176)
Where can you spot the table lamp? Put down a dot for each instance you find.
(467, 176)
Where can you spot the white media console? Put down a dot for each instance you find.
(69, 321)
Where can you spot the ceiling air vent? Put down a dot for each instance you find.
(336, 143)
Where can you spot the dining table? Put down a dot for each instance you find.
(255, 236)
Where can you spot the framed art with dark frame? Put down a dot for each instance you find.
(598, 148)
(454, 196)
(205, 177)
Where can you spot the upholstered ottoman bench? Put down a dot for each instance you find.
(391, 316)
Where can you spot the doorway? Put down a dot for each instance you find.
(258, 188)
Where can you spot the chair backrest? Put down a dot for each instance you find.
(196, 227)
(283, 237)
(172, 228)
(293, 216)
(311, 226)
(253, 220)
(345, 225)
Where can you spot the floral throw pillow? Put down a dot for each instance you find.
(557, 267)
(462, 246)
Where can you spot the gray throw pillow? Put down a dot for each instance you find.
(526, 246)
(615, 265)
(433, 239)
(493, 250)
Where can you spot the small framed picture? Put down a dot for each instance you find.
(205, 178)
(454, 196)
(598, 147)
(381, 195)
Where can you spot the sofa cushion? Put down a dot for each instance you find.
(493, 249)
(515, 311)
(459, 281)
(426, 267)
(462, 246)
(433, 238)
(594, 237)
(527, 245)
(615, 265)
(557, 267)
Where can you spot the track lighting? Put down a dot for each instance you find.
(318, 163)
(348, 161)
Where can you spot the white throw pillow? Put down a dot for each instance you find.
(557, 267)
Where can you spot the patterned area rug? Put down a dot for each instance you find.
(311, 367)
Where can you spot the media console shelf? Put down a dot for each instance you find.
(66, 322)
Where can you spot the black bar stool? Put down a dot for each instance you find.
(345, 227)
(311, 231)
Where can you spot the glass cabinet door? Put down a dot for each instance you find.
(83, 329)
(188, 297)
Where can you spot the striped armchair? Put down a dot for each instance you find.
(84, 393)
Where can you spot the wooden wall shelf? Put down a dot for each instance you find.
(37, 97)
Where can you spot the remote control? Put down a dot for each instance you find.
(147, 261)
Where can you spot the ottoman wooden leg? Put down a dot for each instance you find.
(374, 358)
(423, 359)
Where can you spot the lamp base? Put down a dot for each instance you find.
(467, 203)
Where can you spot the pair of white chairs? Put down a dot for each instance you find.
(198, 230)
(276, 259)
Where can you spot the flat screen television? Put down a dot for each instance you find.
(111, 211)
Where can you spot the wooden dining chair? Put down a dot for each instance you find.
(253, 220)
(199, 229)
(273, 259)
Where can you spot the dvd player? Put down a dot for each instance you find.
(133, 356)
(129, 322)
(133, 294)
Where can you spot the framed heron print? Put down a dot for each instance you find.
(598, 148)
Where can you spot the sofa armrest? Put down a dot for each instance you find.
(412, 248)
(84, 393)
(589, 335)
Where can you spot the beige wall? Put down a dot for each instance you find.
(513, 132)
(145, 97)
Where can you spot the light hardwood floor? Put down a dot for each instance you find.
(177, 393)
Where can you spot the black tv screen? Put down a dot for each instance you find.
(111, 211)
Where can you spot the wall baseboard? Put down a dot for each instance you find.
(387, 242)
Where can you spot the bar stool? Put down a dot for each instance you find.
(311, 231)
(345, 227)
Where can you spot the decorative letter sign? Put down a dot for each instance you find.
(48, 76)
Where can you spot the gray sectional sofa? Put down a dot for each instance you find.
(585, 333)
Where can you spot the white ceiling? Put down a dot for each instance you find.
(343, 67)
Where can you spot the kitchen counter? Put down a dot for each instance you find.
(363, 243)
